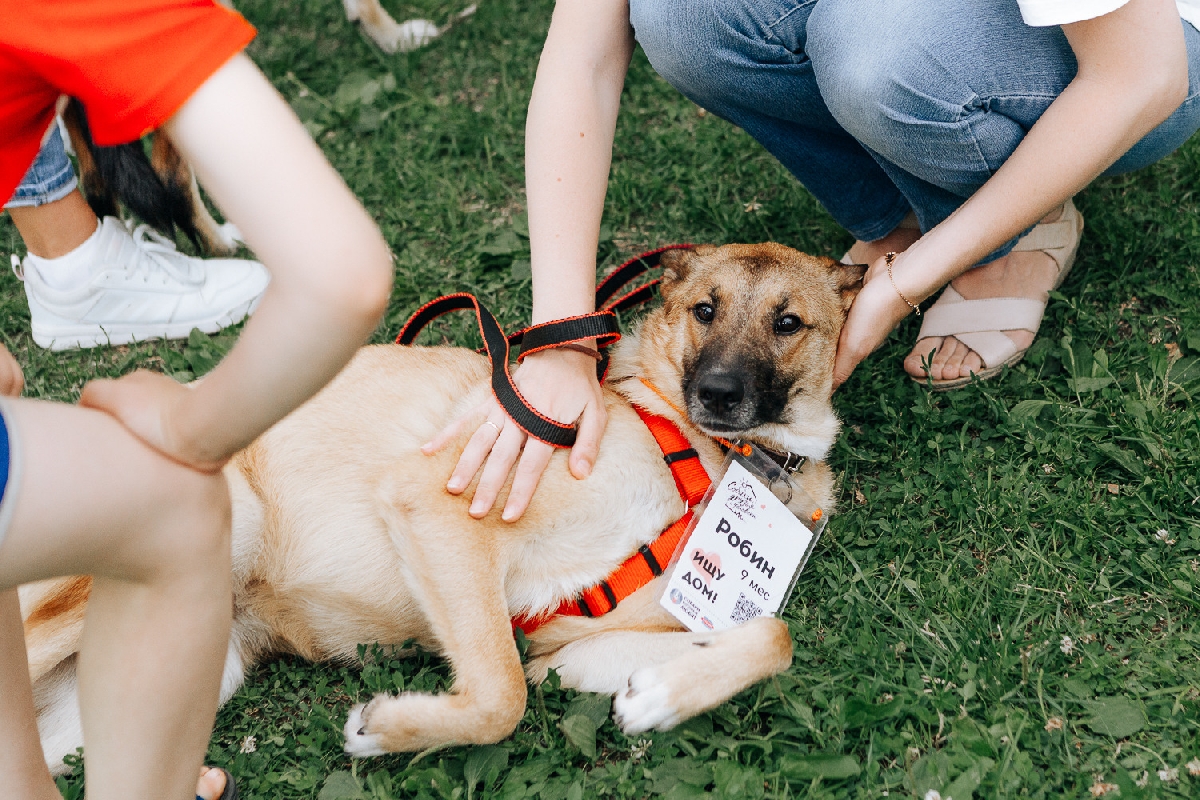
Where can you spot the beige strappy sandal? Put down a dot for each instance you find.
(979, 323)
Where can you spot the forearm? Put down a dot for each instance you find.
(288, 351)
(330, 269)
(1132, 76)
(568, 149)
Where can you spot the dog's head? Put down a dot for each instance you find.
(746, 340)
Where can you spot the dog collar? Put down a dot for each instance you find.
(789, 462)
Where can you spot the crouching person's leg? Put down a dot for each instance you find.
(748, 62)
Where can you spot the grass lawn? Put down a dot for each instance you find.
(1006, 602)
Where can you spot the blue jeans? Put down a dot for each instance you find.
(50, 178)
(880, 107)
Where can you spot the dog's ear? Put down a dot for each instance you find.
(677, 263)
(849, 280)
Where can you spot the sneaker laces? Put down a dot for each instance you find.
(158, 254)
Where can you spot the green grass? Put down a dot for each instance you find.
(978, 529)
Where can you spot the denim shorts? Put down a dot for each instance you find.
(50, 178)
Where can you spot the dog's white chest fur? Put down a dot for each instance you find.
(592, 534)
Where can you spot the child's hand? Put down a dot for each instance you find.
(562, 385)
(12, 380)
(147, 403)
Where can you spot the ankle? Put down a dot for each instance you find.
(55, 229)
(69, 269)
(897, 241)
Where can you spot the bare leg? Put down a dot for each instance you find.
(92, 499)
(897, 241)
(55, 229)
(21, 760)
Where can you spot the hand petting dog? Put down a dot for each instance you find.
(562, 385)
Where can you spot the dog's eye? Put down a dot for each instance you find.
(788, 323)
(704, 312)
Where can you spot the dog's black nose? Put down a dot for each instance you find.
(721, 392)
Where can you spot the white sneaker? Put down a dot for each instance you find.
(138, 287)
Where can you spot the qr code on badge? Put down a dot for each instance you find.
(744, 610)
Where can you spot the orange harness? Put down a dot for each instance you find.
(649, 561)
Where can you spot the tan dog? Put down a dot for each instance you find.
(344, 533)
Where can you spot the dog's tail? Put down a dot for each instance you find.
(53, 612)
(157, 189)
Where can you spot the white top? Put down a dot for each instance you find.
(1060, 12)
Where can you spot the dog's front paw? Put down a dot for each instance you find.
(402, 37)
(360, 743)
(645, 705)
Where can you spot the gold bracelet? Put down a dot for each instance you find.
(889, 258)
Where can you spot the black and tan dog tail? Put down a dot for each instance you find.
(157, 189)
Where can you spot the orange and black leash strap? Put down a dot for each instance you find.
(600, 325)
(626, 273)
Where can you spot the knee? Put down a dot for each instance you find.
(694, 44)
(195, 529)
(871, 67)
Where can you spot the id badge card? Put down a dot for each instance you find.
(752, 536)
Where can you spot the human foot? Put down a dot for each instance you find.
(215, 784)
(1014, 287)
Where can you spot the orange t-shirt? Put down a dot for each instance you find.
(132, 63)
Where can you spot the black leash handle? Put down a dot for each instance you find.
(600, 325)
(624, 274)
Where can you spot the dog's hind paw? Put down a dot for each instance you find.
(645, 705)
(230, 236)
(359, 743)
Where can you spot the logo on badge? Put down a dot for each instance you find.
(741, 499)
(706, 622)
(676, 596)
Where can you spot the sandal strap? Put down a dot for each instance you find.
(953, 314)
(992, 347)
(978, 323)
(1057, 239)
(1047, 236)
